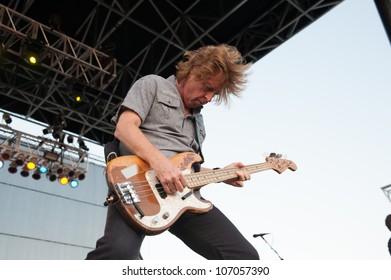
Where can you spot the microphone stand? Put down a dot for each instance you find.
(261, 235)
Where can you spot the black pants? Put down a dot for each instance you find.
(210, 234)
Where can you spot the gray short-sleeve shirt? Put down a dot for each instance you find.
(157, 102)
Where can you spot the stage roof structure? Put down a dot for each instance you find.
(96, 49)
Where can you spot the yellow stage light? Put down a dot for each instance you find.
(64, 180)
(31, 164)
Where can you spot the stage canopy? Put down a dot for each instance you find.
(96, 49)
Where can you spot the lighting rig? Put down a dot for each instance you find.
(42, 157)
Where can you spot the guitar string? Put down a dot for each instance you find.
(206, 177)
(196, 179)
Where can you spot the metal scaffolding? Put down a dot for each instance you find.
(56, 158)
(149, 38)
(57, 52)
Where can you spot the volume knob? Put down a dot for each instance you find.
(166, 215)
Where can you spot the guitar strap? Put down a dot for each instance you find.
(111, 149)
(197, 134)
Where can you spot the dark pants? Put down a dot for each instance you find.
(210, 234)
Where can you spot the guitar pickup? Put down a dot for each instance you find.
(127, 193)
(160, 190)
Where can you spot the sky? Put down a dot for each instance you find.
(322, 99)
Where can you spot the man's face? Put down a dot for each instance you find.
(195, 93)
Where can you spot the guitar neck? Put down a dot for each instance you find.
(197, 180)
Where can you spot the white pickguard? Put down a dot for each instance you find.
(171, 205)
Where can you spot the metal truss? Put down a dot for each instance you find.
(19, 146)
(150, 37)
(58, 52)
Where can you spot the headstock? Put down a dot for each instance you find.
(279, 164)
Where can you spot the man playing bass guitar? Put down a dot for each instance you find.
(159, 119)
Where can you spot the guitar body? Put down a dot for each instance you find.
(140, 198)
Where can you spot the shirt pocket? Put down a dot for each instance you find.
(167, 109)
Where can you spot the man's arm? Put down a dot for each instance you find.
(128, 132)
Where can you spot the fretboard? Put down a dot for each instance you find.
(197, 180)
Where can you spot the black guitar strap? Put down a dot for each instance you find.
(197, 134)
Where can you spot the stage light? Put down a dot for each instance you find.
(20, 160)
(82, 145)
(13, 168)
(46, 130)
(25, 172)
(70, 139)
(38, 156)
(58, 125)
(81, 176)
(64, 180)
(77, 96)
(31, 164)
(51, 156)
(71, 173)
(43, 169)
(7, 118)
(36, 175)
(74, 184)
(51, 176)
(30, 53)
(57, 132)
(32, 58)
(6, 155)
(58, 169)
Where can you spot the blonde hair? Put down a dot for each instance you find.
(210, 60)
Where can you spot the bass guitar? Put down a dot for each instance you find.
(141, 199)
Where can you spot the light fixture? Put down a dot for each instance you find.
(77, 96)
(51, 176)
(13, 168)
(74, 183)
(20, 160)
(70, 139)
(57, 132)
(47, 130)
(6, 155)
(31, 57)
(58, 169)
(7, 118)
(36, 175)
(71, 173)
(63, 180)
(43, 169)
(25, 172)
(58, 125)
(81, 176)
(82, 145)
(31, 164)
(30, 53)
(39, 156)
(51, 156)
